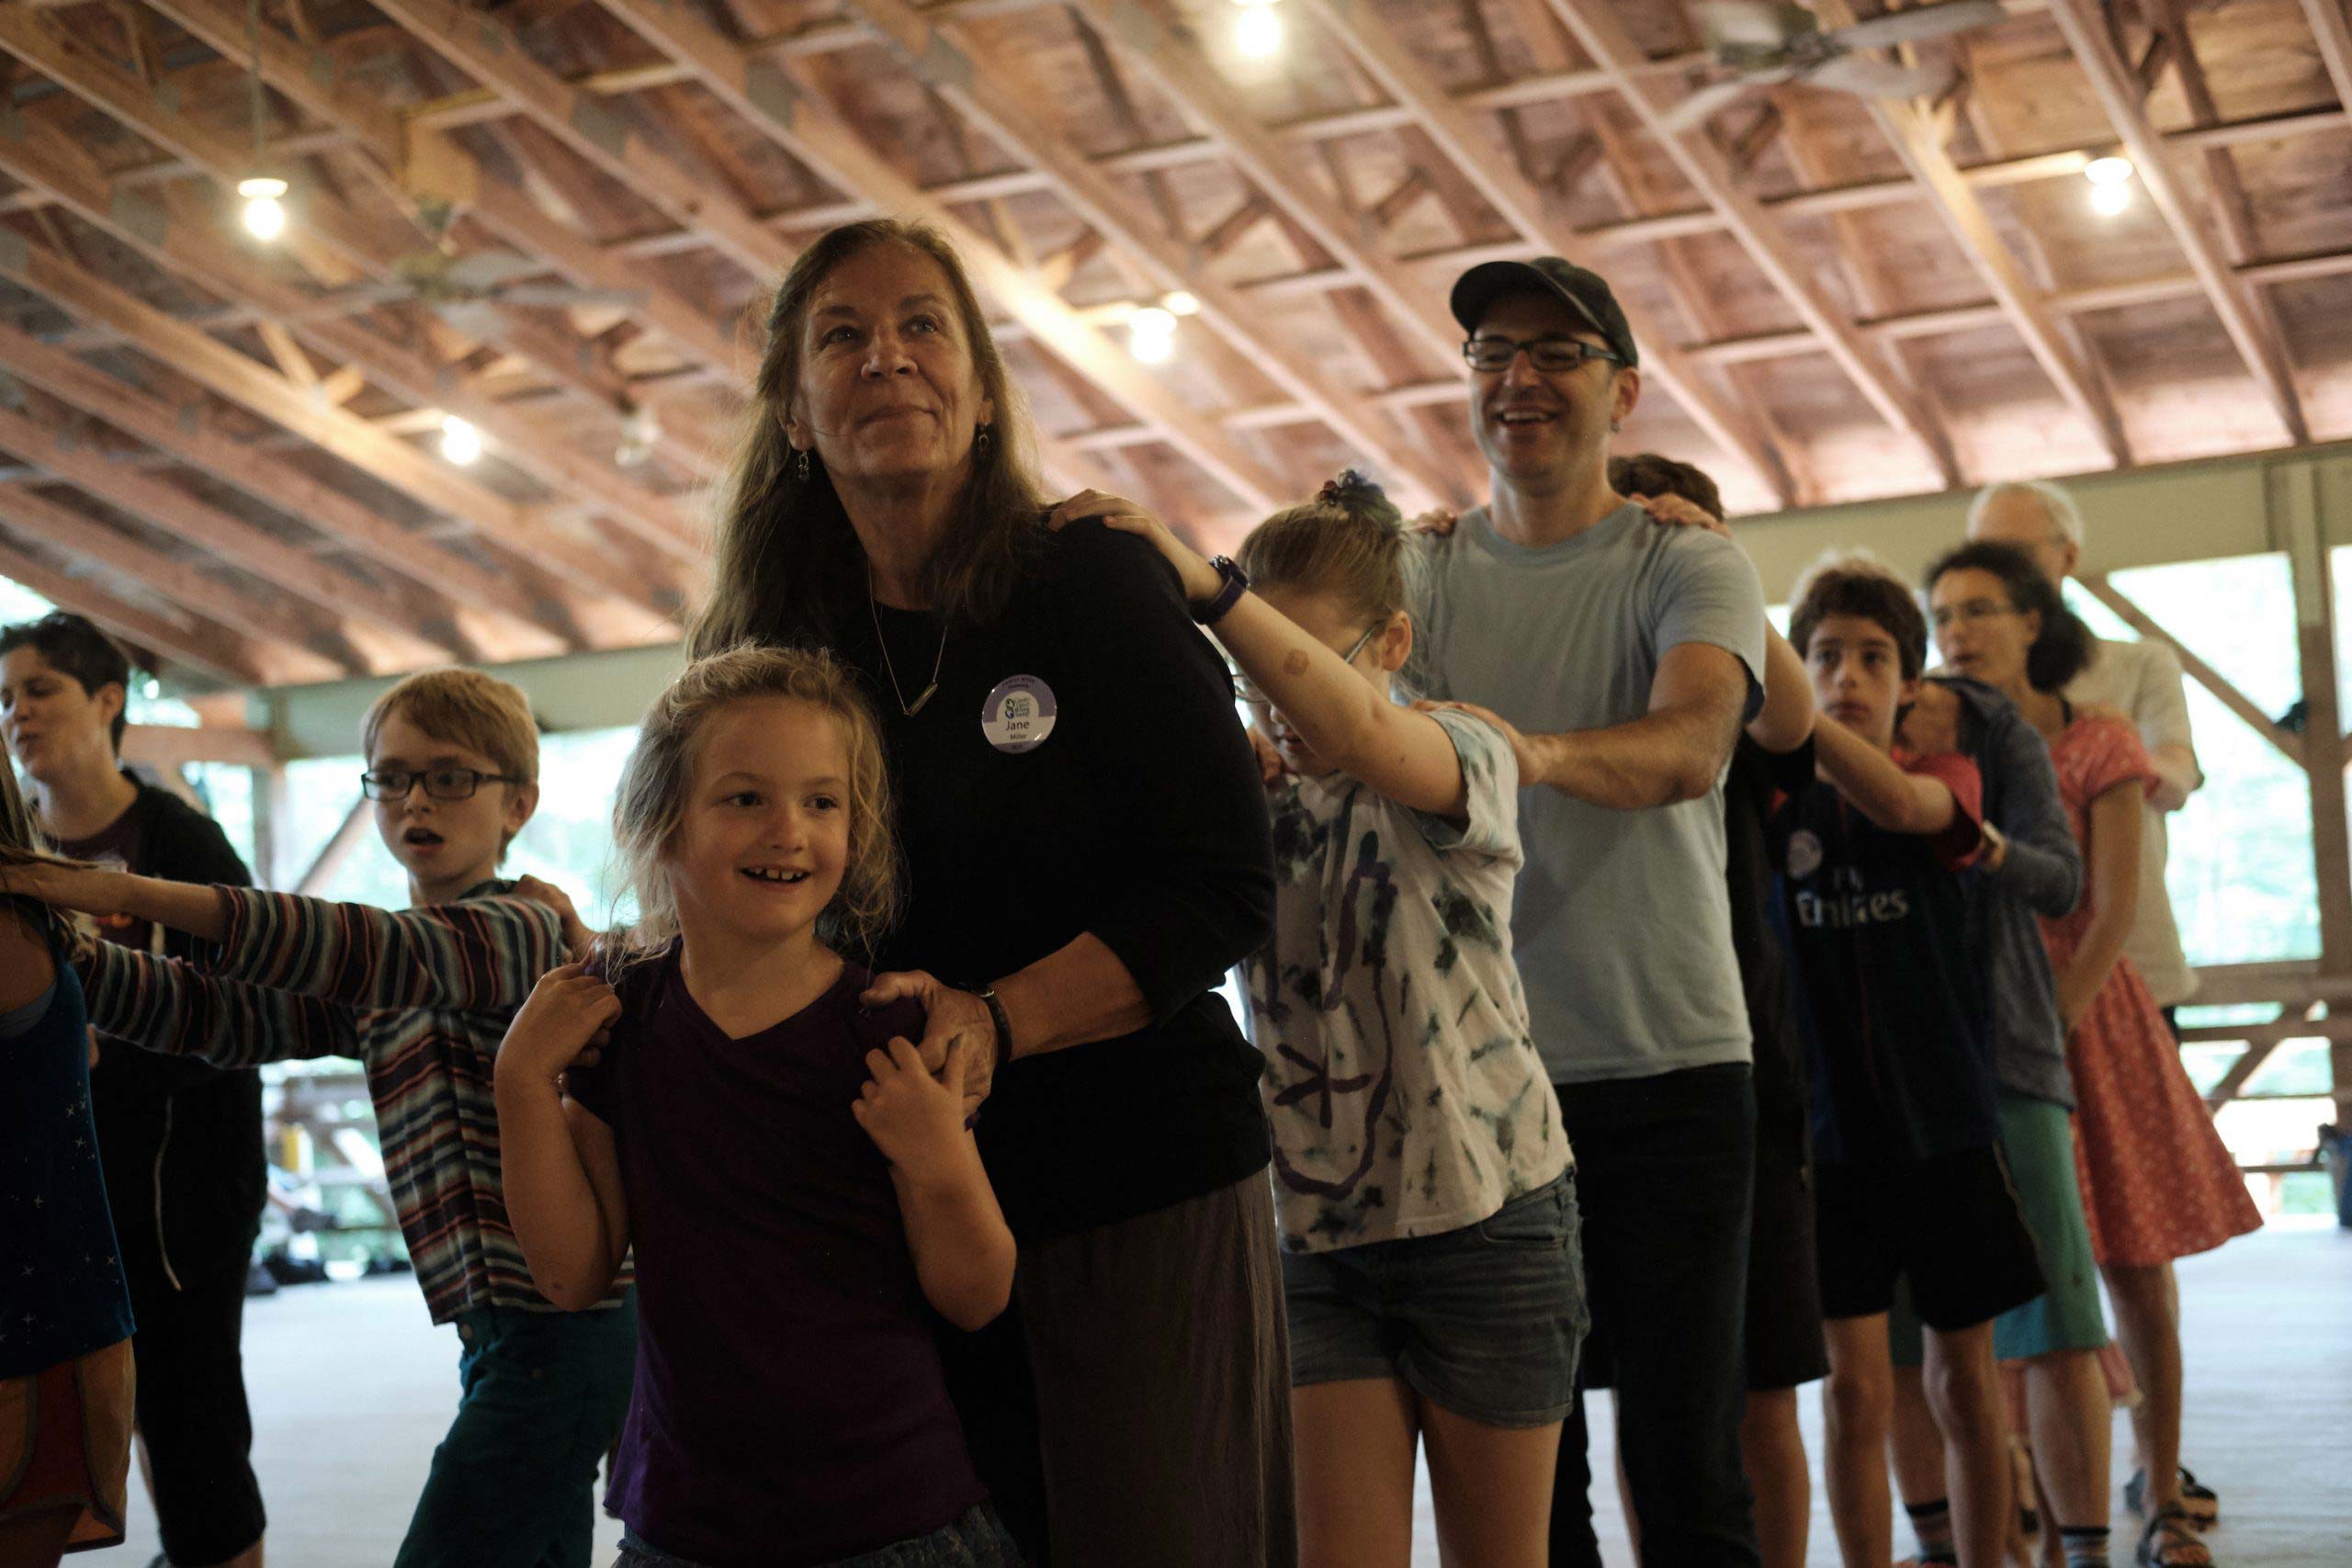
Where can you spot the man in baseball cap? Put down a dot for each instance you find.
(1622, 659)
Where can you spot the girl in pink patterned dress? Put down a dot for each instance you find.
(2157, 1183)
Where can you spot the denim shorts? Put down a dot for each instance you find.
(1485, 1321)
(974, 1540)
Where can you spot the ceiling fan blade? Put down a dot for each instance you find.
(1753, 24)
(1925, 22)
(1861, 74)
(1703, 105)
(488, 269)
(562, 294)
(361, 296)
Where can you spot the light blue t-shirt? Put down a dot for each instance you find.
(1621, 923)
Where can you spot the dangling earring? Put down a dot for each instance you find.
(800, 464)
(1615, 425)
(983, 442)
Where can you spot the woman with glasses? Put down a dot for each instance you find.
(1086, 857)
(2157, 1182)
(1421, 1175)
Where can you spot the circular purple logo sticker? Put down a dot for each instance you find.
(1019, 714)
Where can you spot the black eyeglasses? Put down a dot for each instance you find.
(1553, 355)
(440, 783)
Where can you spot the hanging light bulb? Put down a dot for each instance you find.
(1152, 335)
(460, 442)
(641, 431)
(1183, 302)
(1259, 32)
(265, 211)
(264, 192)
(2110, 181)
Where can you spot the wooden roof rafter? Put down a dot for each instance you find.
(370, 245)
(1602, 35)
(368, 619)
(27, 512)
(773, 103)
(38, 155)
(1404, 76)
(2111, 81)
(804, 123)
(217, 650)
(427, 166)
(490, 628)
(979, 83)
(1912, 131)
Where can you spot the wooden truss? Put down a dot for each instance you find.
(216, 450)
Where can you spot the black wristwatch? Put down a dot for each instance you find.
(1237, 584)
(1003, 1026)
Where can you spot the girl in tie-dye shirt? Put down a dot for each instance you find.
(1421, 1176)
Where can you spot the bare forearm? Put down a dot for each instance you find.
(192, 907)
(1331, 709)
(2084, 974)
(1657, 760)
(2178, 777)
(1876, 786)
(964, 1254)
(1079, 994)
(1787, 716)
(550, 1200)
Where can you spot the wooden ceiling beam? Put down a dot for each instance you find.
(967, 74)
(2084, 28)
(278, 483)
(59, 526)
(372, 246)
(214, 649)
(1351, 123)
(486, 49)
(38, 156)
(430, 166)
(812, 130)
(2332, 30)
(1601, 34)
(365, 611)
(1403, 74)
(1910, 129)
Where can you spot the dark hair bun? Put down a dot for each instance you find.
(1356, 494)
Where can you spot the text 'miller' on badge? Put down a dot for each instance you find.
(1019, 714)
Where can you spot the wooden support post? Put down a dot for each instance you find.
(2315, 633)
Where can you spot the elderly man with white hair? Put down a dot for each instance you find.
(2142, 680)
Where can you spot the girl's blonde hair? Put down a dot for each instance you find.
(1349, 540)
(21, 843)
(651, 800)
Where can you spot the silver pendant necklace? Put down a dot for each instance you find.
(905, 709)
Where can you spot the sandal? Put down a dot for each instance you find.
(2168, 1542)
(2197, 1500)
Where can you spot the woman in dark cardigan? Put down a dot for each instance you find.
(1086, 848)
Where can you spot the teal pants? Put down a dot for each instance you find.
(513, 1484)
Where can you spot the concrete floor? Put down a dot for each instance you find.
(351, 1388)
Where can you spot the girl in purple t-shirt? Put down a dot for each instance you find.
(801, 1193)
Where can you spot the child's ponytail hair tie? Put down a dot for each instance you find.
(1356, 494)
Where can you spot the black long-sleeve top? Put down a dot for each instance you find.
(1139, 818)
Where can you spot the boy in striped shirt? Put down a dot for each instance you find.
(423, 998)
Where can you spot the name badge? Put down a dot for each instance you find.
(1804, 854)
(1019, 714)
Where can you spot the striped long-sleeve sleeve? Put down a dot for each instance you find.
(170, 1005)
(475, 955)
